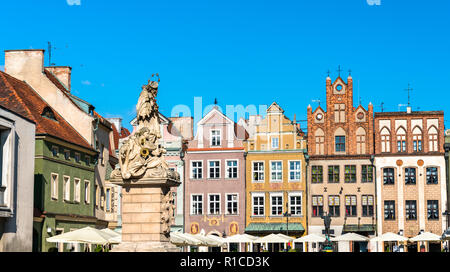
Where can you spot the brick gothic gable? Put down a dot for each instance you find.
(341, 118)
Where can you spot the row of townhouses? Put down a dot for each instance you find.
(57, 154)
(371, 172)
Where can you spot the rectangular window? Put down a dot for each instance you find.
(388, 176)
(232, 204)
(276, 171)
(417, 143)
(214, 204)
(197, 170)
(316, 174)
(340, 143)
(232, 169)
(389, 210)
(66, 188)
(333, 174)
(294, 171)
(401, 143)
(350, 174)
(87, 160)
(55, 151)
(432, 175)
(196, 204)
(258, 205)
(411, 210)
(385, 143)
(87, 192)
(366, 173)
(334, 206)
(258, 171)
(214, 169)
(54, 184)
(67, 154)
(433, 209)
(215, 138)
(367, 205)
(350, 206)
(295, 204)
(108, 199)
(410, 175)
(77, 189)
(276, 205)
(317, 206)
(77, 157)
(275, 143)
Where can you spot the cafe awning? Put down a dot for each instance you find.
(359, 228)
(426, 237)
(274, 228)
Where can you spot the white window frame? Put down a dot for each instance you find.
(228, 201)
(277, 142)
(278, 194)
(192, 170)
(54, 191)
(215, 203)
(295, 194)
(277, 171)
(228, 167)
(263, 195)
(209, 169)
(299, 170)
(87, 194)
(259, 171)
(219, 135)
(77, 190)
(192, 204)
(66, 190)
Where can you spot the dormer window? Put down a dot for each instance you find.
(48, 113)
(215, 138)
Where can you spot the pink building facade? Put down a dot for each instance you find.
(215, 177)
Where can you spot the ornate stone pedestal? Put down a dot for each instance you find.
(147, 207)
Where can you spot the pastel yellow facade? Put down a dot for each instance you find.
(276, 176)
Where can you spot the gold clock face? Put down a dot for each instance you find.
(319, 116)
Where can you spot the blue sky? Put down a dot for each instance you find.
(240, 52)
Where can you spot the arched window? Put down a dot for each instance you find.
(320, 142)
(360, 141)
(433, 139)
(385, 140)
(417, 139)
(401, 140)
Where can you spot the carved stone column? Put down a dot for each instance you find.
(147, 209)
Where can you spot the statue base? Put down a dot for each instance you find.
(146, 215)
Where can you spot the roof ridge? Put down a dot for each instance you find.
(11, 88)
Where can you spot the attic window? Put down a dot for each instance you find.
(48, 113)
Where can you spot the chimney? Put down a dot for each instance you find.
(63, 74)
(25, 64)
(408, 109)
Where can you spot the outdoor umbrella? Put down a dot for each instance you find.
(272, 238)
(350, 237)
(240, 238)
(446, 235)
(182, 239)
(310, 238)
(117, 237)
(389, 237)
(426, 237)
(289, 238)
(86, 235)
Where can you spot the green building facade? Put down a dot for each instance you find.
(64, 191)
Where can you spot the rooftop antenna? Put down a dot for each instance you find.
(328, 72)
(409, 90)
(381, 106)
(215, 101)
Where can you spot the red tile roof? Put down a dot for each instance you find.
(124, 132)
(19, 97)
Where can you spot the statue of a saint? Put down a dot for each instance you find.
(140, 155)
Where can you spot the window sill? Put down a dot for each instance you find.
(258, 181)
(276, 181)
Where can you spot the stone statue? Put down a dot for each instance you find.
(140, 155)
(168, 207)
